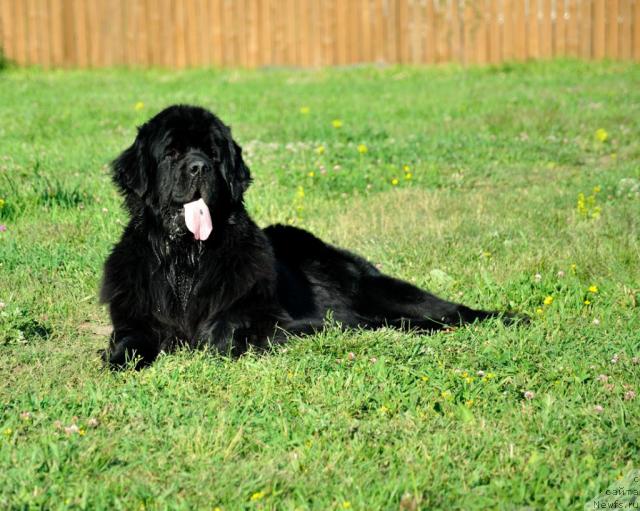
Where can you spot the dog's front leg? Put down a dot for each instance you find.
(217, 336)
(126, 346)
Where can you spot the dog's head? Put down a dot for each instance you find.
(182, 155)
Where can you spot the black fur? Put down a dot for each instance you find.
(243, 286)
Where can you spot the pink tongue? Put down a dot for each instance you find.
(198, 219)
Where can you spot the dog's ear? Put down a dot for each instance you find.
(131, 169)
(235, 172)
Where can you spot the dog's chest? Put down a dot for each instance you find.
(181, 272)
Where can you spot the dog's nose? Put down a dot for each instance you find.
(197, 167)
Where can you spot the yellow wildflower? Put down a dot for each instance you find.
(469, 379)
(7, 432)
(408, 176)
(587, 302)
(394, 182)
(320, 149)
(300, 192)
(304, 110)
(424, 378)
(406, 168)
(539, 310)
(311, 174)
(445, 394)
(362, 149)
(336, 123)
(574, 267)
(602, 135)
(597, 189)
(346, 505)
(469, 403)
(257, 496)
(593, 288)
(2, 203)
(383, 409)
(548, 300)
(138, 106)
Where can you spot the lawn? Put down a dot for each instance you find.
(513, 187)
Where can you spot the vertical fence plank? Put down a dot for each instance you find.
(377, 32)
(480, 32)
(468, 52)
(265, 45)
(278, 34)
(612, 29)
(533, 28)
(546, 33)
(55, 31)
(330, 32)
(192, 42)
(341, 32)
(215, 33)
(625, 30)
(82, 38)
(179, 41)
(304, 33)
(315, 26)
(443, 35)
(253, 41)
(292, 44)
(202, 13)
(455, 26)
(429, 34)
(520, 30)
(33, 38)
(508, 52)
(414, 28)
(124, 57)
(8, 36)
(599, 29)
(138, 55)
(242, 21)
(361, 26)
(300, 33)
(636, 30)
(572, 28)
(403, 19)
(167, 35)
(560, 33)
(153, 15)
(390, 30)
(20, 31)
(80, 31)
(586, 20)
(353, 40)
(94, 34)
(495, 29)
(43, 27)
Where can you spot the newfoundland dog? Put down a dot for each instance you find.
(192, 268)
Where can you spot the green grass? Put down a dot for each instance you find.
(490, 217)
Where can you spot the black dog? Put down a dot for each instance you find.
(192, 267)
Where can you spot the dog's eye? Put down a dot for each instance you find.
(171, 154)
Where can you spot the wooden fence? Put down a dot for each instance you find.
(251, 33)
